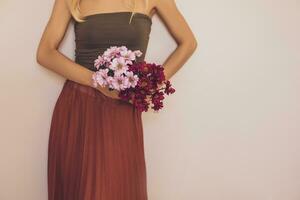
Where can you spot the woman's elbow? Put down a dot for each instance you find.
(39, 55)
(193, 43)
(43, 52)
(189, 43)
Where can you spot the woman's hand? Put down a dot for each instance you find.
(114, 94)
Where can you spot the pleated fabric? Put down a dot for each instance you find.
(96, 149)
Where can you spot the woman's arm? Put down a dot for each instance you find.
(181, 32)
(48, 55)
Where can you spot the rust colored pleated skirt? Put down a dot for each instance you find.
(95, 149)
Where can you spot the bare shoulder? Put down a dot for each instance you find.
(172, 17)
(60, 12)
(151, 6)
(57, 24)
(166, 9)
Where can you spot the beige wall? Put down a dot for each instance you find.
(230, 132)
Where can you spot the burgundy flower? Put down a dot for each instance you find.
(150, 89)
(169, 89)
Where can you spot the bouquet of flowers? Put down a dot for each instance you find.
(141, 83)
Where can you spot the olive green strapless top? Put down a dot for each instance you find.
(103, 30)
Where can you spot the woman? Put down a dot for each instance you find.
(96, 147)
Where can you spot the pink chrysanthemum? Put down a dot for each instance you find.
(101, 77)
(119, 65)
(128, 55)
(132, 79)
(111, 52)
(138, 53)
(120, 82)
(98, 62)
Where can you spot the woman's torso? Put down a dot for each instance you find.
(102, 30)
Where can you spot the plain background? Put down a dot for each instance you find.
(230, 132)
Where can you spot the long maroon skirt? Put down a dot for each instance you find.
(96, 149)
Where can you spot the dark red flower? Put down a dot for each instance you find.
(150, 89)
